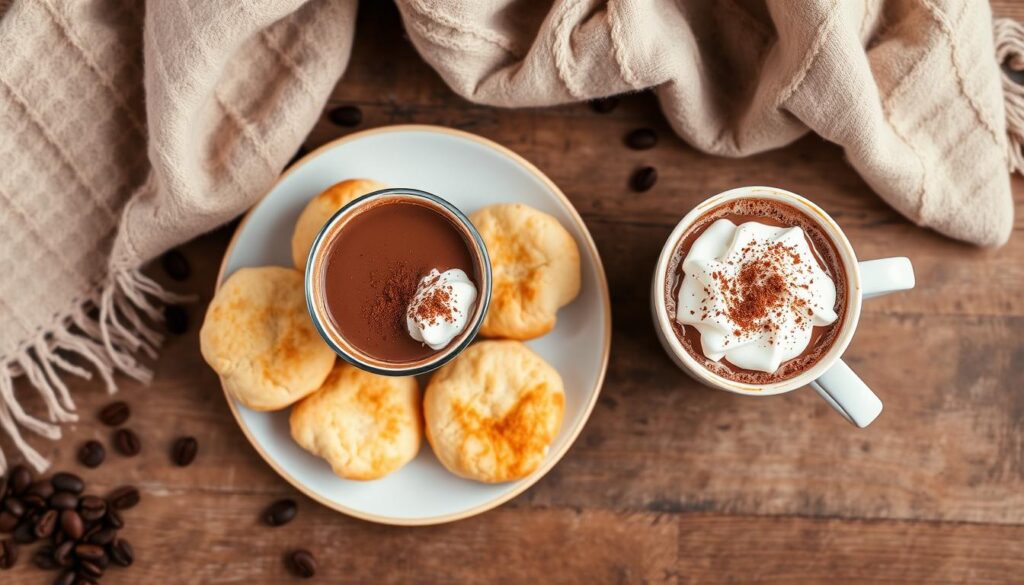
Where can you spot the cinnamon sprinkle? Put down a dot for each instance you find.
(759, 294)
(434, 306)
(397, 285)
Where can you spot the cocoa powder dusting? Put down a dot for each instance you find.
(758, 295)
(761, 288)
(397, 285)
(434, 306)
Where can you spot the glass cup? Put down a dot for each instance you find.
(316, 267)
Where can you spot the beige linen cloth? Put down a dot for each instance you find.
(127, 127)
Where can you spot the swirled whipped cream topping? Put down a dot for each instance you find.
(754, 292)
(440, 309)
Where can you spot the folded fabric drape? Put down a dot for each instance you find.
(127, 127)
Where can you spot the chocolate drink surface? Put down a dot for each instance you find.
(751, 298)
(373, 267)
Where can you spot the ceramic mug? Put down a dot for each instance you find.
(829, 376)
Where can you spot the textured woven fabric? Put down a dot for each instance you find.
(127, 127)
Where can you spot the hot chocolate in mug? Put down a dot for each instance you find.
(828, 374)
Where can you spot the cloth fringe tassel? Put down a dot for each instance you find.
(1009, 38)
(105, 331)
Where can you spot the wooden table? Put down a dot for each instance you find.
(669, 481)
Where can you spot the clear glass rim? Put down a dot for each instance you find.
(442, 357)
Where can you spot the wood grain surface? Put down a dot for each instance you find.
(669, 481)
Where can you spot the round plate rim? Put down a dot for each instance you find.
(605, 351)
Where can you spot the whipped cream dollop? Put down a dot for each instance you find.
(441, 307)
(754, 292)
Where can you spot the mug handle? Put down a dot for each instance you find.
(839, 385)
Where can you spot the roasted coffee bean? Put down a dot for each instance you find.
(302, 563)
(643, 179)
(32, 501)
(72, 525)
(92, 508)
(42, 488)
(175, 319)
(124, 498)
(280, 512)
(62, 554)
(641, 139)
(46, 524)
(67, 577)
(64, 501)
(104, 561)
(20, 479)
(127, 442)
(114, 519)
(347, 116)
(176, 265)
(43, 558)
(89, 552)
(121, 553)
(7, 521)
(3, 486)
(89, 531)
(8, 554)
(115, 414)
(14, 506)
(33, 516)
(90, 569)
(184, 451)
(102, 537)
(91, 454)
(67, 482)
(604, 105)
(24, 533)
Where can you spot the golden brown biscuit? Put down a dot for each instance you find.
(259, 337)
(536, 269)
(493, 412)
(320, 209)
(366, 426)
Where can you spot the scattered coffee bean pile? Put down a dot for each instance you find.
(300, 562)
(177, 267)
(92, 454)
(641, 139)
(643, 178)
(346, 116)
(604, 105)
(184, 451)
(126, 441)
(79, 531)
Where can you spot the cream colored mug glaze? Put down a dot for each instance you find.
(829, 376)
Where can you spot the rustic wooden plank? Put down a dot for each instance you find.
(581, 151)
(193, 536)
(741, 549)
(588, 162)
(946, 448)
(669, 482)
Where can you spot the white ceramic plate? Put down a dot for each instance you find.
(471, 172)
